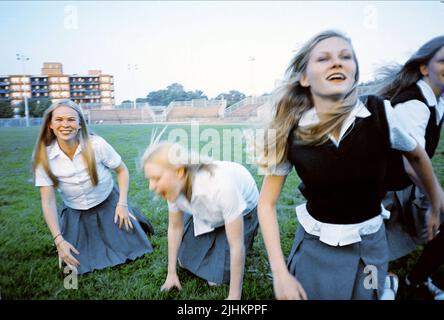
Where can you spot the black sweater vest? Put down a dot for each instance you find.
(345, 184)
(397, 178)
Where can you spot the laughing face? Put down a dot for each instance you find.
(164, 181)
(331, 69)
(65, 124)
(433, 72)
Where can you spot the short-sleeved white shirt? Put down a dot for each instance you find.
(414, 114)
(218, 198)
(75, 185)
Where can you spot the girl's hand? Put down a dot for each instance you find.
(432, 223)
(64, 249)
(441, 209)
(123, 216)
(286, 287)
(171, 281)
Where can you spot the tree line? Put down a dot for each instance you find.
(35, 108)
(176, 92)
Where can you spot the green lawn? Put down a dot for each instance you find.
(29, 268)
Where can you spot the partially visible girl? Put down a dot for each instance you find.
(415, 91)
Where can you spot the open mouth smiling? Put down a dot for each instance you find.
(336, 77)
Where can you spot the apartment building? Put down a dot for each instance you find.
(91, 90)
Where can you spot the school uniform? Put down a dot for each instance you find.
(86, 216)
(422, 115)
(218, 197)
(340, 243)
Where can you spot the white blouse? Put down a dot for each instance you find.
(75, 185)
(414, 114)
(219, 198)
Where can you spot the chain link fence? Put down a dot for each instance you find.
(19, 122)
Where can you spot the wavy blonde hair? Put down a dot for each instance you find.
(292, 100)
(46, 137)
(174, 156)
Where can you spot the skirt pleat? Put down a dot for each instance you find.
(353, 272)
(208, 255)
(98, 239)
(407, 227)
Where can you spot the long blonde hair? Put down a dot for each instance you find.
(46, 137)
(174, 156)
(396, 78)
(292, 100)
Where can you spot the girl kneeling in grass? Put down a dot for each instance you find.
(212, 214)
(79, 165)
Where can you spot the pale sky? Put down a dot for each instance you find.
(204, 45)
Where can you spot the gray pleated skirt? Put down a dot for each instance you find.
(208, 255)
(98, 239)
(406, 228)
(356, 271)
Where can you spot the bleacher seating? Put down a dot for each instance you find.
(120, 115)
(180, 111)
(184, 114)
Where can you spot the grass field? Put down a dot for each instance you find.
(29, 268)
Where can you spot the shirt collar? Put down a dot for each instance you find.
(54, 150)
(310, 116)
(427, 92)
(431, 98)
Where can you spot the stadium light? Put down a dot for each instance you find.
(23, 59)
(132, 68)
(251, 61)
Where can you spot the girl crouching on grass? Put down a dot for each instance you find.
(212, 214)
(79, 165)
